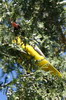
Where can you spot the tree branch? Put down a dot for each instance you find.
(62, 3)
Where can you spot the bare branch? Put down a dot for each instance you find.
(62, 3)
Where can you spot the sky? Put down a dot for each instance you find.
(2, 93)
(2, 96)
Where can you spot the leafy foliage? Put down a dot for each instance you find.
(43, 22)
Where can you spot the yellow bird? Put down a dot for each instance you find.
(41, 60)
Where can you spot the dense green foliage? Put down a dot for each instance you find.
(43, 22)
